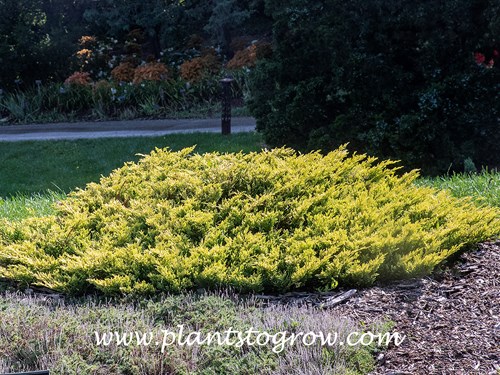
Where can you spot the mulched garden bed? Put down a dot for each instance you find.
(451, 320)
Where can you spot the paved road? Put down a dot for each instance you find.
(113, 129)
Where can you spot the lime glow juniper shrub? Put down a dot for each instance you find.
(273, 221)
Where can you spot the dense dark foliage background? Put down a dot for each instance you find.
(416, 81)
(38, 38)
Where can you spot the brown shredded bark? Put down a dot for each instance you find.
(451, 319)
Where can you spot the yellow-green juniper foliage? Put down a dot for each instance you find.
(274, 221)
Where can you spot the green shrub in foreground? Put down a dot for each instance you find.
(261, 221)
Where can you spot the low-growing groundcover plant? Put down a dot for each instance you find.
(37, 333)
(274, 221)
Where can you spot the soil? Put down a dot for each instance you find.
(451, 319)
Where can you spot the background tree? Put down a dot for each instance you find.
(416, 81)
(169, 23)
(164, 22)
(225, 17)
(37, 39)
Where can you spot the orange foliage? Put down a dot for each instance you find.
(78, 78)
(87, 40)
(195, 69)
(249, 56)
(153, 71)
(84, 53)
(243, 58)
(124, 72)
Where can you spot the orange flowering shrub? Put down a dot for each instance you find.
(94, 56)
(195, 69)
(243, 58)
(249, 56)
(87, 40)
(78, 78)
(153, 71)
(124, 72)
(84, 53)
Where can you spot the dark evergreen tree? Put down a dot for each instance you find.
(37, 39)
(416, 81)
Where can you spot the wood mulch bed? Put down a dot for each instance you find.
(451, 319)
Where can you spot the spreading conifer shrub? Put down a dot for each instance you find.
(272, 221)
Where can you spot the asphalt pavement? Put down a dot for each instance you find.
(117, 129)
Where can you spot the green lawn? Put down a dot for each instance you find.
(485, 186)
(38, 166)
(22, 206)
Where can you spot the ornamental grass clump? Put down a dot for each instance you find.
(271, 221)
